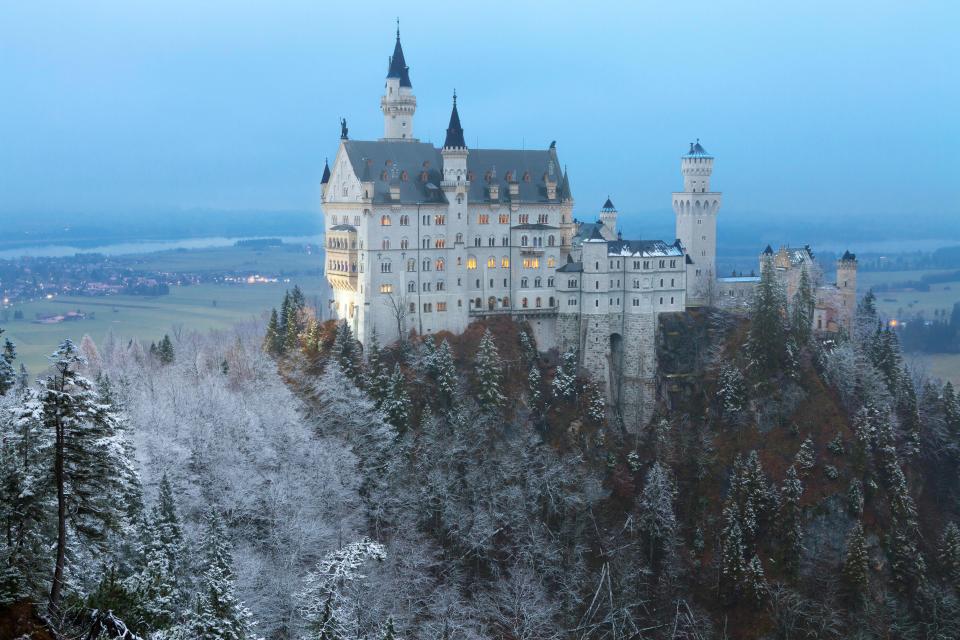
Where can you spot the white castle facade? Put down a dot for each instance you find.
(425, 239)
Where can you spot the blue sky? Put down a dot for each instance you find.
(823, 109)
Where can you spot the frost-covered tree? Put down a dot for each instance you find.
(346, 351)
(165, 352)
(791, 521)
(949, 553)
(90, 462)
(534, 382)
(443, 371)
(330, 603)
(217, 613)
(755, 581)
(397, 405)
(596, 401)
(856, 562)
(273, 338)
(488, 373)
(657, 519)
(8, 375)
(733, 565)
(806, 458)
(731, 390)
(376, 376)
(565, 381)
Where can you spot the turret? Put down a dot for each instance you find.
(454, 151)
(696, 209)
(608, 216)
(398, 102)
(696, 167)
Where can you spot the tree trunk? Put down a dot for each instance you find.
(53, 607)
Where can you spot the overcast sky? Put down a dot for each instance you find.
(825, 108)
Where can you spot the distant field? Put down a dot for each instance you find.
(147, 318)
(944, 366)
(900, 304)
(281, 259)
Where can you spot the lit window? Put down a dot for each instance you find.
(386, 288)
(384, 220)
(504, 218)
(491, 262)
(505, 263)
(441, 306)
(551, 263)
(471, 263)
(483, 218)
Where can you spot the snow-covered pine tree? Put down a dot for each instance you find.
(346, 351)
(806, 458)
(534, 382)
(218, 614)
(90, 462)
(389, 633)
(528, 347)
(8, 375)
(273, 339)
(791, 521)
(376, 375)
(488, 373)
(767, 342)
(397, 405)
(856, 563)
(949, 553)
(802, 311)
(733, 566)
(907, 563)
(657, 519)
(731, 391)
(909, 414)
(755, 581)
(596, 401)
(565, 380)
(443, 371)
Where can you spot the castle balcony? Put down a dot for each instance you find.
(532, 251)
(543, 312)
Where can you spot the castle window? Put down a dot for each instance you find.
(506, 302)
(386, 267)
(459, 238)
(524, 283)
(597, 266)
(505, 262)
(491, 241)
(385, 243)
(426, 286)
(551, 301)
(440, 219)
(543, 218)
(661, 300)
(538, 302)
(663, 263)
(671, 299)
(440, 264)
(427, 307)
(551, 241)
(571, 284)
(384, 220)
(344, 191)
(661, 282)
(425, 219)
(413, 307)
(636, 302)
(483, 218)
(673, 263)
(440, 243)
(426, 264)
(471, 263)
(440, 285)
(404, 221)
(596, 303)
(491, 263)
(491, 283)
(646, 264)
(524, 218)
(411, 265)
(538, 282)
(504, 218)
(441, 306)
(411, 287)
(523, 241)
(505, 282)
(425, 243)
(386, 288)
(550, 281)
(523, 303)
(404, 243)
(671, 282)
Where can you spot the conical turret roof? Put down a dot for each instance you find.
(608, 205)
(326, 173)
(398, 66)
(454, 130)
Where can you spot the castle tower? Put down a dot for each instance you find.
(696, 210)
(847, 286)
(398, 102)
(567, 227)
(608, 216)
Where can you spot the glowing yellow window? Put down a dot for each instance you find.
(551, 263)
(505, 263)
(471, 263)
(491, 263)
(386, 288)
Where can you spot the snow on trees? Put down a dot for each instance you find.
(767, 345)
(565, 381)
(488, 373)
(657, 518)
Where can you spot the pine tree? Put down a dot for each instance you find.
(443, 370)
(767, 343)
(657, 519)
(564, 382)
(165, 351)
(273, 339)
(389, 633)
(397, 404)
(791, 521)
(949, 553)
(855, 563)
(755, 582)
(909, 414)
(346, 351)
(733, 566)
(291, 338)
(534, 382)
(803, 304)
(488, 374)
(8, 375)
(596, 401)
(806, 459)
(90, 466)
(284, 321)
(377, 375)
(218, 614)
(731, 391)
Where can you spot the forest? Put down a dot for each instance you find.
(279, 481)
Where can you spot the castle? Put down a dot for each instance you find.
(427, 240)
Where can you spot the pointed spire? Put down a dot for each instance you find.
(565, 185)
(398, 66)
(326, 172)
(454, 130)
(608, 205)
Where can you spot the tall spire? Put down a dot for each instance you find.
(398, 66)
(326, 172)
(454, 130)
(565, 186)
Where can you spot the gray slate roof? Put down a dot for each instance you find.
(486, 166)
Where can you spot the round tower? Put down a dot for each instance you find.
(847, 286)
(398, 102)
(696, 167)
(608, 216)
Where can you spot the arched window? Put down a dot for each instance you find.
(506, 301)
(404, 243)
(505, 262)
(551, 263)
(524, 283)
(412, 287)
(385, 244)
(551, 240)
(538, 302)
(411, 265)
(385, 220)
(471, 263)
(477, 303)
(538, 282)
(491, 262)
(551, 301)
(426, 264)
(459, 238)
(523, 241)
(440, 264)
(523, 303)
(491, 241)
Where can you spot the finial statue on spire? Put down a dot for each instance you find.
(454, 97)
(398, 27)
(343, 129)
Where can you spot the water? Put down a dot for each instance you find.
(125, 248)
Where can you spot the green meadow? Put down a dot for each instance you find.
(906, 303)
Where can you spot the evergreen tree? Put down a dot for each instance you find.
(596, 401)
(443, 370)
(909, 414)
(855, 563)
(218, 614)
(755, 582)
(397, 404)
(389, 633)
(8, 375)
(806, 459)
(377, 375)
(291, 338)
(767, 343)
(949, 553)
(534, 382)
(803, 303)
(791, 521)
(273, 339)
(165, 351)
(488, 374)
(90, 466)
(906, 561)
(733, 566)
(657, 519)
(731, 391)
(284, 321)
(565, 381)
(346, 351)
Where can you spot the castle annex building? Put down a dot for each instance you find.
(427, 239)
